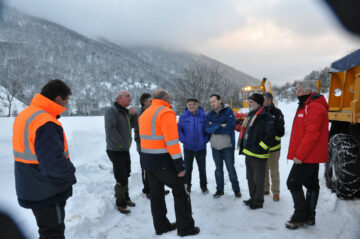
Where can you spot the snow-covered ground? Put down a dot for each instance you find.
(91, 212)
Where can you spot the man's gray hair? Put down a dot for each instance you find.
(161, 94)
(120, 93)
(308, 85)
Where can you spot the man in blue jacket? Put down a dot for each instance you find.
(220, 123)
(194, 138)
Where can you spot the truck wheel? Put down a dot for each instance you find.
(342, 171)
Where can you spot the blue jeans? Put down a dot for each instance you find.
(226, 155)
(200, 157)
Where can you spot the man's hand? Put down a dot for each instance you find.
(297, 161)
(132, 111)
(181, 174)
(223, 125)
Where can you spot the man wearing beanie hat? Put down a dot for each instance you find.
(256, 134)
(259, 99)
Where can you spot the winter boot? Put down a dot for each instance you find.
(255, 205)
(276, 197)
(204, 189)
(218, 194)
(171, 228)
(295, 221)
(123, 210)
(311, 202)
(189, 232)
(128, 200)
(237, 194)
(121, 198)
(248, 202)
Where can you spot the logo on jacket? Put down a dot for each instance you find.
(300, 115)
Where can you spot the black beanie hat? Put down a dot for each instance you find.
(257, 98)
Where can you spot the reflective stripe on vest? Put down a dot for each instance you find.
(153, 136)
(263, 156)
(278, 146)
(263, 145)
(28, 156)
(158, 137)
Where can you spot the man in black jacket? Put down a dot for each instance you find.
(118, 123)
(273, 162)
(145, 101)
(255, 139)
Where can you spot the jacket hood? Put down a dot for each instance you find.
(316, 97)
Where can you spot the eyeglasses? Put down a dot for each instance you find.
(126, 96)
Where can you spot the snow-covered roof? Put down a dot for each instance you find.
(347, 62)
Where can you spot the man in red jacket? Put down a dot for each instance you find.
(308, 147)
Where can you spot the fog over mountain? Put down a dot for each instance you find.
(34, 50)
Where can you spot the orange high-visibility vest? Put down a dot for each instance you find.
(158, 130)
(40, 111)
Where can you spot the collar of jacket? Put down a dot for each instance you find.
(270, 107)
(223, 107)
(259, 112)
(48, 105)
(120, 107)
(198, 112)
(160, 102)
(313, 96)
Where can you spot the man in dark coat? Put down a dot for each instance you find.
(256, 135)
(145, 101)
(118, 123)
(308, 147)
(194, 138)
(272, 164)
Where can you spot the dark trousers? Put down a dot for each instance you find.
(145, 180)
(220, 156)
(255, 175)
(307, 175)
(121, 167)
(169, 177)
(50, 221)
(200, 157)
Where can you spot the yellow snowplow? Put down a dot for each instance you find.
(247, 91)
(342, 171)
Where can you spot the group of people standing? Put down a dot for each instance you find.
(44, 173)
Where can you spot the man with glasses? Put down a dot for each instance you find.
(118, 123)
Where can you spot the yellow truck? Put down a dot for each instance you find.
(342, 171)
(247, 91)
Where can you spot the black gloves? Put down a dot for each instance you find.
(179, 164)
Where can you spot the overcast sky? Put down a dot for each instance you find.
(281, 39)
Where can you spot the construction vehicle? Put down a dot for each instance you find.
(247, 91)
(342, 171)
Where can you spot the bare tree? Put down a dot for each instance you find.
(10, 89)
(200, 81)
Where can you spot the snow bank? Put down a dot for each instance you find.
(91, 213)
